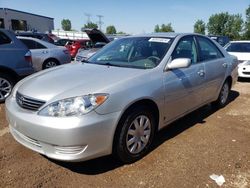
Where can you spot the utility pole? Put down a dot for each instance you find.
(88, 17)
(100, 22)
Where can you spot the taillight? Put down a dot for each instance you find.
(28, 57)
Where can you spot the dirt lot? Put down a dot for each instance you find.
(185, 154)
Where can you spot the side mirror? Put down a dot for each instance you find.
(179, 63)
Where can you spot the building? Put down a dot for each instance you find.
(19, 20)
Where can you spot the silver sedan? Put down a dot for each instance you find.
(45, 55)
(117, 100)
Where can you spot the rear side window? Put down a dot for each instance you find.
(208, 50)
(4, 39)
(238, 47)
(32, 44)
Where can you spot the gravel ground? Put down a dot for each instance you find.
(185, 154)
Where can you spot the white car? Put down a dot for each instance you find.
(45, 55)
(241, 49)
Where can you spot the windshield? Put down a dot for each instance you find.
(238, 47)
(133, 52)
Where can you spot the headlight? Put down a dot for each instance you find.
(74, 106)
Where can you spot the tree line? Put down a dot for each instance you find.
(225, 24)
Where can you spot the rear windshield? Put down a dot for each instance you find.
(238, 47)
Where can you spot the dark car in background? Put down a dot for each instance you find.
(38, 35)
(15, 62)
(222, 40)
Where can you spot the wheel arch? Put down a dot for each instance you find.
(142, 102)
(12, 73)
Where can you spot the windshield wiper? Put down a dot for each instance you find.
(85, 61)
(109, 64)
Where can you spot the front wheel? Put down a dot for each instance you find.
(6, 86)
(223, 96)
(135, 134)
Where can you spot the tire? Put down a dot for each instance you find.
(132, 143)
(223, 96)
(50, 63)
(6, 86)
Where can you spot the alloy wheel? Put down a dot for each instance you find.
(5, 88)
(224, 93)
(50, 64)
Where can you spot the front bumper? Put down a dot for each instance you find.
(244, 71)
(67, 139)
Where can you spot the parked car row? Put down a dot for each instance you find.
(22, 56)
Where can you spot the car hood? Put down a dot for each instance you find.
(241, 56)
(75, 79)
(96, 35)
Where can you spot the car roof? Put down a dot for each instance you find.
(165, 34)
(47, 44)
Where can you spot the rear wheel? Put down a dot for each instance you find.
(135, 134)
(6, 86)
(50, 63)
(223, 96)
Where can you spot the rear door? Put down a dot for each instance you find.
(184, 86)
(39, 52)
(215, 67)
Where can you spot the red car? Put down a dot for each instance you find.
(73, 46)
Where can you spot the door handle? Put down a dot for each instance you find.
(45, 52)
(224, 65)
(201, 73)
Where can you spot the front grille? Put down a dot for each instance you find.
(247, 73)
(28, 103)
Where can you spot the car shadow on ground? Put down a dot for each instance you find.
(107, 163)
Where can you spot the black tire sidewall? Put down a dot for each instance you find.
(121, 148)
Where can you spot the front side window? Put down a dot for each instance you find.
(133, 52)
(4, 39)
(208, 50)
(186, 48)
(238, 47)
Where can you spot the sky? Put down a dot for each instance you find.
(130, 16)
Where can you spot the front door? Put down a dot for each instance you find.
(183, 87)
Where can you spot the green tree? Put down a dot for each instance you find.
(164, 28)
(111, 29)
(200, 27)
(157, 28)
(66, 24)
(225, 24)
(121, 33)
(89, 25)
(247, 24)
